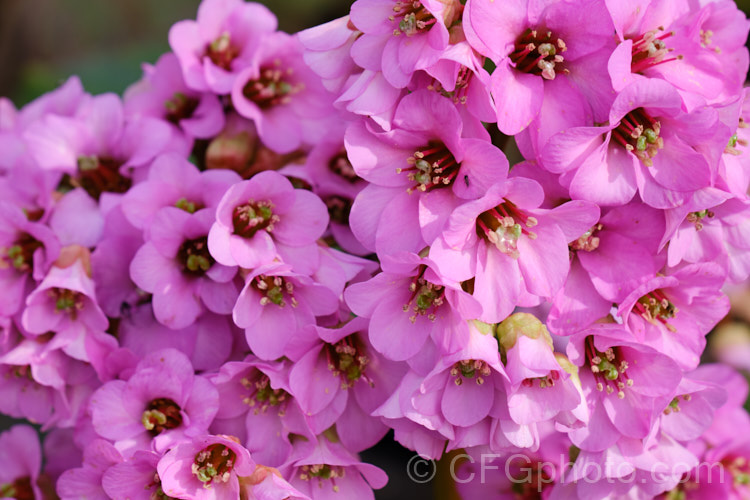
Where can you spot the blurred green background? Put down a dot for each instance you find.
(42, 42)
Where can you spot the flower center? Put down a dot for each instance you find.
(161, 414)
(459, 93)
(470, 369)
(650, 50)
(188, 206)
(609, 369)
(412, 18)
(425, 297)
(252, 217)
(271, 88)
(655, 306)
(194, 256)
(67, 301)
(180, 107)
(544, 382)
(222, 52)
(739, 468)
(639, 134)
(262, 395)
(538, 52)
(503, 226)
(214, 464)
(274, 290)
(431, 168)
(674, 405)
(20, 489)
(339, 208)
(99, 174)
(697, 217)
(321, 472)
(588, 242)
(341, 166)
(347, 360)
(21, 254)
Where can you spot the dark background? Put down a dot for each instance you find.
(42, 42)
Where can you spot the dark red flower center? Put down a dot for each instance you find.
(222, 52)
(543, 382)
(538, 52)
(194, 257)
(431, 167)
(161, 414)
(252, 217)
(100, 174)
(213, 464)
(20, 489)
(20, 255)
(639, 133)
(272, 87)
(341, 166)
(470, 369)
(609, 369)
(180, 107)
(739, 468)
(339, 208)
(503, 226)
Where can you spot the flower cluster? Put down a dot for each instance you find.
(274, 248)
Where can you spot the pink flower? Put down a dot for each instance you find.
(264, 218)
(222, 42)
(21, 456)
(205, 467)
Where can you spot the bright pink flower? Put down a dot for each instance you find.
(536, 44)
(222, 42)
(205, 467)
(264, 218)
(282, 96)
(673, 313)
(160, 404)
(162, 93)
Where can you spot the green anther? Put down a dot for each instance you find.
(7, 491)
(676, 495)
(425, 298)
(546, 49)
(733, 141)
(468, 371)
(742, 478)
(423, 165)
(265, 212)
(354, 372)
(516, 231)
(275, 295)
(701, 214)
(178, 100)
(152, 418)
(423, 178)
(640, 143)
(408, 23)
(675, 404)
(64, 303)
(206, 474)
(651, 136)
(196, 262)
(285, 88)
(187, 206)
(609, 370)
(324, 472)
